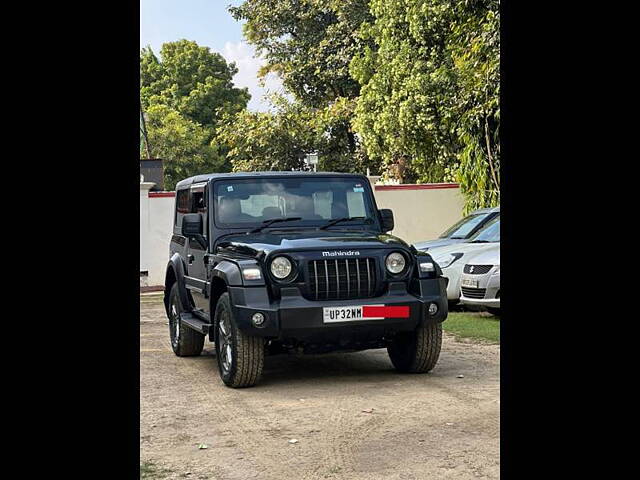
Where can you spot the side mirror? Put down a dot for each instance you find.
(191, 225)
(386, 215)
(192, 228)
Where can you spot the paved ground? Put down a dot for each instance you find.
(433, 426)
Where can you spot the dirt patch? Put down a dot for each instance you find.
(433, 426)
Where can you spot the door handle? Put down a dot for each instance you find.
(190, 259)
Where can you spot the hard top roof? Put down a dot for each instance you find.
(214, 176)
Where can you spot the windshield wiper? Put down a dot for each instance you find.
(267, 223)
(339, 220)
(481, 241)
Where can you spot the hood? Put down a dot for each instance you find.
(467, 248)
(490, 256)
(264, 243)
(438, 242)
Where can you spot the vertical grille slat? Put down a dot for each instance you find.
(326, 273)
(348, 280)
(315, 273)
(339, 280)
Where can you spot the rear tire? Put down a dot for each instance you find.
(240, 356)
(185, 341)
(417, 351)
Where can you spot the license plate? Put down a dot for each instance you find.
(346, 314)
(468, 282)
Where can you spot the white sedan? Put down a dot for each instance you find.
(452, 258)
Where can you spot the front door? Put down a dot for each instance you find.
(196, 279)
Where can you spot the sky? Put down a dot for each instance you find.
(209, 24)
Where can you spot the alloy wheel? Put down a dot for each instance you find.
(225, 342)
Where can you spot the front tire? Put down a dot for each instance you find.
(417, 351)
(185, 341)
(240, 356)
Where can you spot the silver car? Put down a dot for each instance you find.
(463, 230)
(452, 258)
(480, 281)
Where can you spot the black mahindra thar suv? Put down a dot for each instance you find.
(277, 262)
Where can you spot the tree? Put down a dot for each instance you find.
(428, 108)
(186, 92)
(264, 141)
(183, 144)
(476, 54)
(309, 44)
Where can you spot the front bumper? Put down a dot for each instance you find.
(490, 282)
(296, 317)
(482, 302)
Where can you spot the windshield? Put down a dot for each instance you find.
(489, 233)
(464, 227)
(251, 202)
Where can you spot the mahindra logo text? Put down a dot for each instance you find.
(340, 254)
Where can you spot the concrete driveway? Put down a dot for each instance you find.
(352, 415)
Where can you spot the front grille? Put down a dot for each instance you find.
(477, 269)
(342, 279)
(473, 292)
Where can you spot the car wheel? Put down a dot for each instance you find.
(417, 351)
(185, 341)
(240, 356)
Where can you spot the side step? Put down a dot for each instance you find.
(191, 321)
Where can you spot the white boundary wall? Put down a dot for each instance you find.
(421, 212)
(156, 228)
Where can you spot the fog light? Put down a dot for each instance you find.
(257, 319)
(433, 309)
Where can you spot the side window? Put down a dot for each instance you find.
(198, 204)
(182, 207)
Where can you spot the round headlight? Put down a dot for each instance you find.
(281, 267)
(395, 262)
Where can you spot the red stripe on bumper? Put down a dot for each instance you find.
(385, 312)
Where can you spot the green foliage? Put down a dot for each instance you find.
(309, 44)
(428, 108)
(263, 141)
(281, 139)
(476, 54)
(185, 93)
(408, 88)
(183, 143)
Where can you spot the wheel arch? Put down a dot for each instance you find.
(175, 274)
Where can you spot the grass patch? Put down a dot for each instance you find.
(474, 325)
(150, 471)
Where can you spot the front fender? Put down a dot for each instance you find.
(231, 273)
